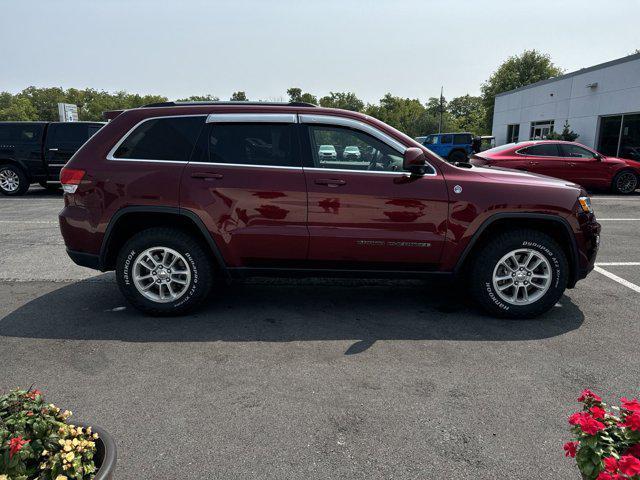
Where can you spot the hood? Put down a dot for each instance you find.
(635, 164)
(509, 175)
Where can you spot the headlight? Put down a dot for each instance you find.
(585, 204)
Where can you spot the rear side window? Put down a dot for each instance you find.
(169, 138)
(69, 133)
(462, 139)
(541, 150)
(446, 139)
(266, 144)
(29, 133)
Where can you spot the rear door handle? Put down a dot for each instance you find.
(207, 175)
(533, 163)
(53, 149)
(571, 164)
(330, 182)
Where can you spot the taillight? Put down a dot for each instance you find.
(70, 178)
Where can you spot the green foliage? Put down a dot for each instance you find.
(567, 134)
(517, 71)
(199, 98)
(344, 100)
(36, 442)
(239, 97)
(296, 95)
(469, 114)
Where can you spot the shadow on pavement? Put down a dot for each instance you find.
(272, 312)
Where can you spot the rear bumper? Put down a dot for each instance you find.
(84, 259)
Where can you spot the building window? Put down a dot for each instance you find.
(620, 136)
(540, 130)
(513, 132)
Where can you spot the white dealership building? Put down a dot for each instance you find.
(600, 103)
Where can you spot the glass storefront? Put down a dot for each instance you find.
(620, 136)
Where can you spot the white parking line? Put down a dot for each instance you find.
(618, 219)
(619, 264)
(46, 222)
(618, 279)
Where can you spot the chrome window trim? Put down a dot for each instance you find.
(518, 152)
(252, 118)
(126, 135)
(377, 172)
(365, 128)
(245, 165)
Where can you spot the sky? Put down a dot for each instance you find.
(192, 47)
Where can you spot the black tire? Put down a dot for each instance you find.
(457, 156)
(196, 259)
(488, 257)
(625, 182)
(15, 172)
(52, 187)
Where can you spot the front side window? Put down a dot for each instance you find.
(69, 133)
(431, 140)
(170, 138)
(542, 150)
(574, 151)
(7, 133)
(261, 144)
(348, 149)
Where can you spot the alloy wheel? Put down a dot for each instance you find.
(161, 274)
(522, 276)
(627, 182)
(9, 180)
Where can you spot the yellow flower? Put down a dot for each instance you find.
(67, 447)
(61, 477)
(45, 453)
(79, 430)
(69, 456)
(75, 442)
(66, 466)
(61, 442)
(95, 435)
(5, 477)
(88, 430)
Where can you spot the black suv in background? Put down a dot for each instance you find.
(34, 152)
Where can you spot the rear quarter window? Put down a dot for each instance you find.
(462, 139)
(167, 138)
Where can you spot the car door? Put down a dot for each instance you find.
(543, 158)
(62, 141)
(371, 215)
(245, 181)
(584, 166)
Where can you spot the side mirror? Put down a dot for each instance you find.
(598, 157)
(414, 160)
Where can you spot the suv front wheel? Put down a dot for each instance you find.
(519, 274)
(164, 271)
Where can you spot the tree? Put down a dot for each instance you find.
(199, 98)
(406, 114)
(16, 109)
(239, 97)
(296, 95)
(344, 100)
(469, 114)
(517, 71)
(567, 134)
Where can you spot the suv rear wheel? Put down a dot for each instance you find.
(519, 274)
(13, 180)
(164, 271)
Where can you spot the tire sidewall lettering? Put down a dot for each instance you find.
(555, 263)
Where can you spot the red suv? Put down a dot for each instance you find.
(173, 196)
(567, 160)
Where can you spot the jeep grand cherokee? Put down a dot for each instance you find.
(172, 196)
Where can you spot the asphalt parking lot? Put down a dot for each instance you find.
(317, 379)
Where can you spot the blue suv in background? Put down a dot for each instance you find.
(455, 147)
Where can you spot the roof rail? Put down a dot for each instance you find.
(189, 104)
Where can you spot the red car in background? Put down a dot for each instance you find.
(566, 160)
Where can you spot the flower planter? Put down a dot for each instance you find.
(106, 454)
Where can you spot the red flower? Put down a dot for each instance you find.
(631, 405)
(570, 449)
(634, 450)
(29, 414)
(15, 445)
(597, 412)
(611, 464)
(577, 417)
(588, 394)
(629, 465)
(32, 394)
(632, 421)
(609, 476)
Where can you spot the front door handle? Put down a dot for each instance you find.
(330, 182)
(533, 164)
(53, 149)
(207, 175)
(571, 164)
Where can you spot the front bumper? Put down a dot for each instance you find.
(588, 244)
